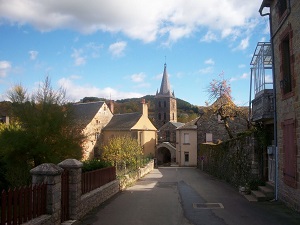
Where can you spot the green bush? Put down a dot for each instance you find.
(94, 164)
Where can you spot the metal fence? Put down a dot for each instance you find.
(23, 204)
(94, 179)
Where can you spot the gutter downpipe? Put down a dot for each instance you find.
(274, 103)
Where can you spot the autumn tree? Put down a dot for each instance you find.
(42, 129)
(219, 91)
(122, 150)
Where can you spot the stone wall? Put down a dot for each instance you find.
(79, 205)
(132, 177)
(284, 26)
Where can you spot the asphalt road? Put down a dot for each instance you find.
(185, 196)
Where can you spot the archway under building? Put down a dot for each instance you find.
(166, 154)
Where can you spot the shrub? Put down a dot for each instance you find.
(94, 164)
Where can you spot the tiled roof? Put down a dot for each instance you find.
(123, 121)
(85, 112)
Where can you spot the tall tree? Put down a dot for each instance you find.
(223, 106)
(42, 128)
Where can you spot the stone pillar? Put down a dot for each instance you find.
(74, 167)
(51, 174)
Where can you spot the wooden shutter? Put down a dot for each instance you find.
(289, 153)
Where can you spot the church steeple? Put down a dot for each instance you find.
(165, 102)
(165, 84)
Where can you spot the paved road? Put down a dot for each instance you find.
(179, 196)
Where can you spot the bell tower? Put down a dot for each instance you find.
(165, 102)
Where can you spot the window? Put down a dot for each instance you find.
(281, 7)
(208, 137)
(220, 119)
(289, 153)
(159, 104)
(186, 157)
(167, 135)
(173, 116)
(165, 116)
(165, 104)
(186, 138)
(159, 116)
(286, 82)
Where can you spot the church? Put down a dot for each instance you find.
(165, 103)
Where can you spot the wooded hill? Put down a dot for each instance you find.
(185, 111)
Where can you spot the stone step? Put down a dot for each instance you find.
(268, 192)
(259, 196)
(250, 198)
(270, 185)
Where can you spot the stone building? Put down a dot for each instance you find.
(285, 41)
(165, 103)
(91, 117)
(166, 142)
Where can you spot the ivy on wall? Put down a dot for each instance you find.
(229, 161)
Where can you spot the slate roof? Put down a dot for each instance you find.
(123, 121)
(175, 124)
(165, 89)
(189, 125)
(85, 112)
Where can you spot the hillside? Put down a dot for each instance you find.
(186, 111)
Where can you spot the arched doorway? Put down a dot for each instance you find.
(166, 154)
(163, 156)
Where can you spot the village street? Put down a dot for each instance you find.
(173, 196)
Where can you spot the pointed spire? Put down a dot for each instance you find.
(165, 85)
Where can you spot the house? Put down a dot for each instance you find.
(166, 146)
(91, 117)
(262, 108)
(211, 128)
(135, 125)
(186, 146)
(285, 42)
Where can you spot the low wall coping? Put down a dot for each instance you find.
(46, 169)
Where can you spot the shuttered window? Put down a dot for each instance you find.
(289, 153)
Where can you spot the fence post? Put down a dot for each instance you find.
(74, 168)
(51, 174)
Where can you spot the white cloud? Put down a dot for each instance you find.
(137, 78)
(206, 70)
(144, 20)
(241, 77)
(33, 54)
(79, 60)
(117, 49)
(209, 37)
(5, 67)
(209, 62)
(76, 92)
(243, 44)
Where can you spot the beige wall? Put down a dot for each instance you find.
(146, 138)
(100, 120)
(189, 148)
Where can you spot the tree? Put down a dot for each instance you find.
(42, 128)
(220, 92)
(122, 150)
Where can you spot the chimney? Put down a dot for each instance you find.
(144, 107)
(111, 106)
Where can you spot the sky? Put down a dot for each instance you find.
(117, 49)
